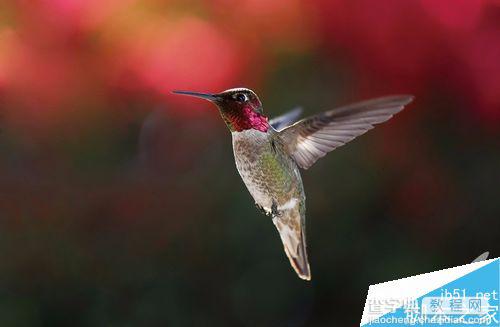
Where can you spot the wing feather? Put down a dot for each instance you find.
(312, 138)
(285, 120)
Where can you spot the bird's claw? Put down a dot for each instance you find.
(274, 212)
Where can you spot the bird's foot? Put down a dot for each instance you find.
(261, 209)
(274, 210)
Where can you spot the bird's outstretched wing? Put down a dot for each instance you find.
(285, 120)
(311, 138)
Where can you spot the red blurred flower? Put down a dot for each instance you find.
(455, 14)
(392, 41)
(482, 64)
(187, 54)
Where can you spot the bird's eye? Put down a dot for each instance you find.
(241, 97)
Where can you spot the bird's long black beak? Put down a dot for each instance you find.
(206, 96)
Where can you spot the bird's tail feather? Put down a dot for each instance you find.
(292, 235)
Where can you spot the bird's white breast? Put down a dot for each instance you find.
(248, 147)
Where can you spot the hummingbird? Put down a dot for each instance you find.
(268, 154)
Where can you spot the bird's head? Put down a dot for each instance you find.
(240, 108)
